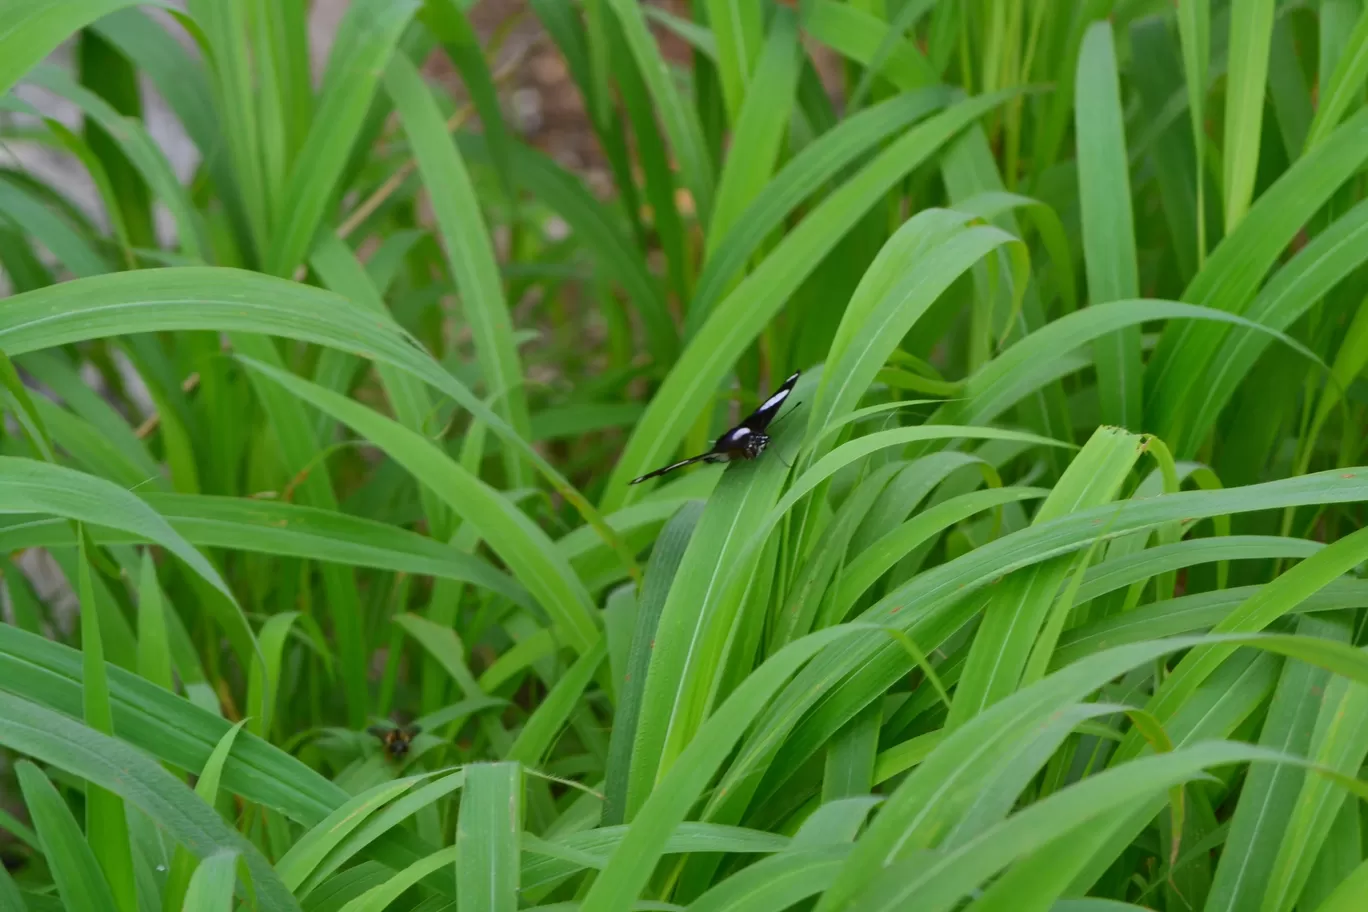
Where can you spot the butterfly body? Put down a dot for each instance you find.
(395, 740)
(745, 441)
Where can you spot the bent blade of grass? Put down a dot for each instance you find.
(287, 530)
(1237, 267)
(310, 850)
(926, 256)
(739, 318)
(28, 486)
(468, 248)
(152, 300)
(378, 824)
(776, 882)
(873, 562)
(1190, 614)
(555, 709)
(1016, 612)
(142, 150)
(817, 163)
(1117, 572)
(137, 778)
(1298, 286)
(366, 38)
(943, 604)
(940, 883)
(1108, 225)
(629, 868)
(1025, 366)
(379, 897)
(167, 727)
(1271, 602)
(29, 32)
(513, 536)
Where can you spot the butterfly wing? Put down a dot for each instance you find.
(761, 417)
(670, 468)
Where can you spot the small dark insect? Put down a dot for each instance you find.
(396, 740)
(745, 441)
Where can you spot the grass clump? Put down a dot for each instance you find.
(1047, 594)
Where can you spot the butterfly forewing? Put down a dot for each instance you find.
(761, 417)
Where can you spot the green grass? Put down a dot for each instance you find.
(1051, 594)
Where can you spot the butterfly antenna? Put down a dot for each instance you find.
(786, 414)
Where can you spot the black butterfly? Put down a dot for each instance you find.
(397, 739)
(745, 441)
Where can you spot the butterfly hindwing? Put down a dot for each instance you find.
(672, 467)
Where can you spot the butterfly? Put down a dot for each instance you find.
(745, 441)
(396, 739)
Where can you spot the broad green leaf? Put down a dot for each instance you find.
(512, 535)
(244, 302)
(487, 834)
(29, 486)
(211, 887)
(31, 31)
